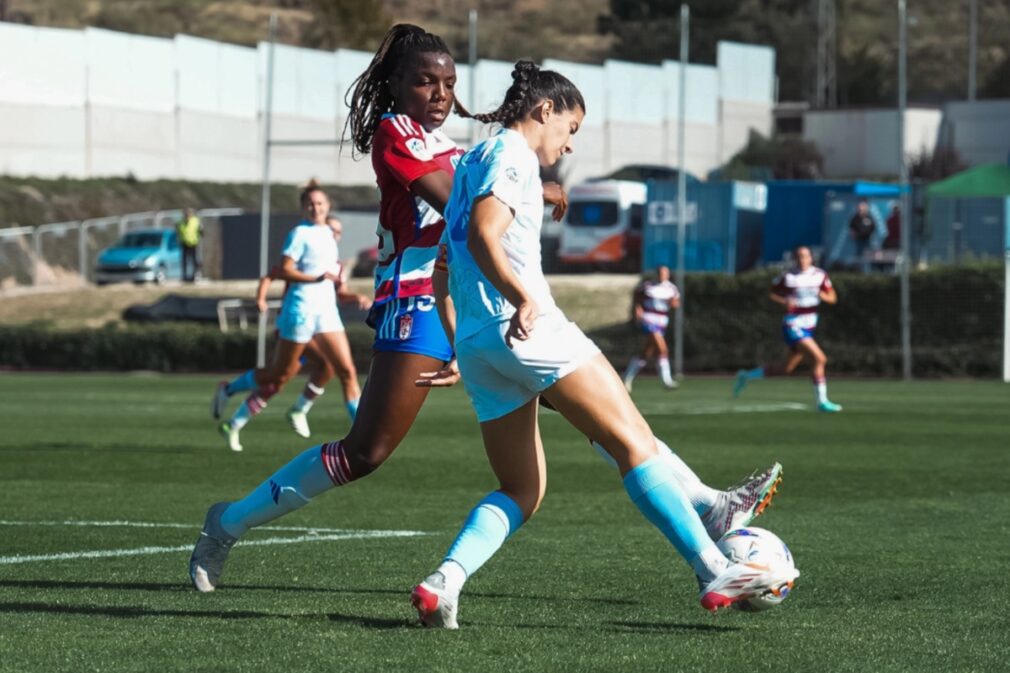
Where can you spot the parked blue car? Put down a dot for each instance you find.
(141, 255)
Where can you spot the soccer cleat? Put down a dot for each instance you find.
(219, 401)
(740, 581)
(230, 433)
(627, 384)
(829, 407)
(671, 385)
(299, 422)
(435, 604)
(211, 551)
(738, 506)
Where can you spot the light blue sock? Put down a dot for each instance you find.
(653, 488)
(490, 523)
(288, 489)
(352, 407)
(245, 381)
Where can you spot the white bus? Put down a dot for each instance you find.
(603, 225)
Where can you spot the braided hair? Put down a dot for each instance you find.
(531, 86)
(369, 96)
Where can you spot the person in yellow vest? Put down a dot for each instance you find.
(189, 231)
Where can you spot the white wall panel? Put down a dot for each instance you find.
(44, 66)
(635, 92)
(41, 140)
(130, 71)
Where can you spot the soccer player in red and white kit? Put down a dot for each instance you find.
(653, 301)
(800, 290)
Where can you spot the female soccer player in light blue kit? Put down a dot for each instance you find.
(513, 344)
(308, 314)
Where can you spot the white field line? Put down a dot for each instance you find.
(155, 524)
(146, 551)
(702, 410)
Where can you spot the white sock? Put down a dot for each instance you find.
(709, 563)
(242, 416)
(702, 497)
(821, 391)
(454, 575)
(664, 371)
(307, 398)
(634, 367)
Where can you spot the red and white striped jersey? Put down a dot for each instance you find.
(409, 228)
(803, 287)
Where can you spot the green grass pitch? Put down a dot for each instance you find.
(896, 510)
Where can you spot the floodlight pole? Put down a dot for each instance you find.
(906, 214)
(972, 46)
(678, 316)
(268, 101)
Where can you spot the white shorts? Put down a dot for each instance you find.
(500, 379)
(301, 326)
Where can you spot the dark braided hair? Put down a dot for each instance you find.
(369, 96)
(530, 86)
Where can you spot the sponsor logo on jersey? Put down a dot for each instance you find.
(512, 174)
(419, 149)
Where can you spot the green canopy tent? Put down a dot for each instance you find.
(986, 181)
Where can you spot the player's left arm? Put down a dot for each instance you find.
(827, 292)
(556, 195)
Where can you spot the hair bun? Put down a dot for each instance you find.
(313, 183)
(524, 70)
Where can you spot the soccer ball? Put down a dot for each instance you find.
(762, 547)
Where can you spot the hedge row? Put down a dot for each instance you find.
(957, 323)
(729, 323)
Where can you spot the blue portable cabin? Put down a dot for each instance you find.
(816, 214)
(723, 231)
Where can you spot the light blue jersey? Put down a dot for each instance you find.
(314, 251)
(505, 166)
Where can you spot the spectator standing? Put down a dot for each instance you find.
(189, 230)
(861, 229)
(893, 240)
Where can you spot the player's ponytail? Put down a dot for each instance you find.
(530, 87)
(369, 96)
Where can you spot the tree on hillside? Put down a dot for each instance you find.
(351, 24)
(778, 158)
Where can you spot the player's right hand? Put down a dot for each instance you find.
(522, 322)
(447, 376)
(261, 305)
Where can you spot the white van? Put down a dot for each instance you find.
(603, 225)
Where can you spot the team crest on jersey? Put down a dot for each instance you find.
(406, 326)
(512, 174)
(419, 149)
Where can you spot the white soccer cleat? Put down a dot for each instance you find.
(299, 422)
(211, 551)
(738, 506)
(230, 433)
(740, 581)
(219, 402)
(436, 606)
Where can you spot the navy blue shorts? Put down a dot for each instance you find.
(410, 325)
